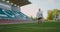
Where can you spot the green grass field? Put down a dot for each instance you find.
(31, 27)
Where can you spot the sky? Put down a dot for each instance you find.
(44, 5)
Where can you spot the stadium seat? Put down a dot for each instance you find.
(1, 12)
(9, 14)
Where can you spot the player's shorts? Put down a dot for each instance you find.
(39, 18)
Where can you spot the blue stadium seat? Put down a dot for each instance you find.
(9, 12)
(12, 14)
(1, 12)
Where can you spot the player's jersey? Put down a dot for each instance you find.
(39, 14)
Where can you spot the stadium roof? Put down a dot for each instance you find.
(18, 2)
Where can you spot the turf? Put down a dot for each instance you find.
(31, 27)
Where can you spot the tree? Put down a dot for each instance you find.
(31, 17)
(55, 13)
(50, 15)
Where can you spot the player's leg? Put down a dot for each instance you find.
(38, 20)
